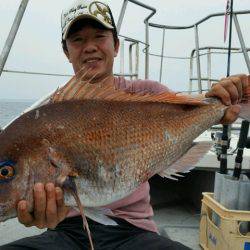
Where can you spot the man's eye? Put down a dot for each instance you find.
(77, 39)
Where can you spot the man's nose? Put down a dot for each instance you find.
(90, 47)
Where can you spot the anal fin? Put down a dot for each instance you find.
(187, 161)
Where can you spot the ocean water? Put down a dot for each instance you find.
(10, 109)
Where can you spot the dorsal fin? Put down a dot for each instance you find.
(81, 90)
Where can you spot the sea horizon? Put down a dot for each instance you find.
(12, 108)
(17, 100)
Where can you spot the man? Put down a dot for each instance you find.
(90, 42)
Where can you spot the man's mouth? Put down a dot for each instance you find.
(92, 60)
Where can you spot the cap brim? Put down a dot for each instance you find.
(85, 16)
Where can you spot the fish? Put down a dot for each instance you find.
(100, 143)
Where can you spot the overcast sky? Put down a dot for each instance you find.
(37, 46)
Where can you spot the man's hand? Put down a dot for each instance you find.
(230, 91)
(49, 208)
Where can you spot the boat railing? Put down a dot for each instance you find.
(208, 51)
(196, 54)
(244, 50)
(12, 34)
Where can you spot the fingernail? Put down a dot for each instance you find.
(22, 205)
(59, 194)
(49, 186)
(58, 190)
(38, 187)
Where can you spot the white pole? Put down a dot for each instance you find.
(8, 44)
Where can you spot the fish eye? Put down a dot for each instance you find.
(6, 172)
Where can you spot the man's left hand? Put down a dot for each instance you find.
(230, 91)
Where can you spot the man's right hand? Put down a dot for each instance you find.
(49, 207)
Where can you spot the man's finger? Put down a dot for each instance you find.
(39, 205)
(24, 217)
(245, 79)
(233, 92)
(231, 114)
(62, 210)
(219, 91)
(237, 81)
(239, 85)
(51, 208)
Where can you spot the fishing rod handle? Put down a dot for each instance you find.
(241, 145)
(243, 134)
(248, 143)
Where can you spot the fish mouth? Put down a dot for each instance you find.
(4, 216)
(6, 213)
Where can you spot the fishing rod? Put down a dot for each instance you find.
(248, 142)
(241, 145)
(224, 138)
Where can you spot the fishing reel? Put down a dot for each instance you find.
(218, 142)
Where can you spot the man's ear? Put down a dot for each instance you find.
(65, 50)
(67, 54)
(117, 46)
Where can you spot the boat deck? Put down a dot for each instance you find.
(179, 223)
(175, 221)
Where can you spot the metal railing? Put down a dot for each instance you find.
(12, 34)
(146, 21)
(210, 51)
(195, 26)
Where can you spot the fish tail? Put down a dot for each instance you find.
(245, 105)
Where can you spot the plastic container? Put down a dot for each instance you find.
(227, 235)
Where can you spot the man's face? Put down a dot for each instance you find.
(93, 50)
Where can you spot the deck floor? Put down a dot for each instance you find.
(177, 222)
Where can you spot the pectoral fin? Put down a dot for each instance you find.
(67, 182)
(59, 160)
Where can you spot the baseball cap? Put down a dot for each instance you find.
(90, 9)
